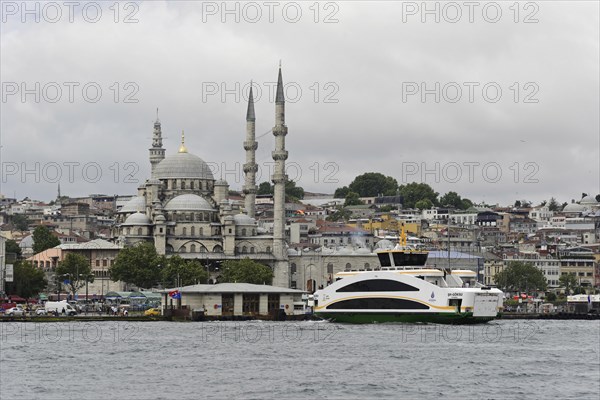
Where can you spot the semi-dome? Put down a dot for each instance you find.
(574, 207)
(243, 219)
(137, 219)
(384, 245)
(183, 165)
(135, 204)
(188, 202)
(588, 200)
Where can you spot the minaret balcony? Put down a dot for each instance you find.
(250, 167)
(280, 130)
(280, 155)
(250, 145)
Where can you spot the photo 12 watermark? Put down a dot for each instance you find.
(69, 92)
(253, 12)
(69, 171)
(82, 332)
(521, 332)
(237, 92)
(52, 12)
(470, 171)
(469, 92)
(453, 12)
(254, 332)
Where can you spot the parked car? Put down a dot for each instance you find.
(15, 312)
(152, 312)
(41, 311)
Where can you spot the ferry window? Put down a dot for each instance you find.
(378, 285)
(378, 303)
(384, 259)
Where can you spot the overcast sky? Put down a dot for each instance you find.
(476, 103)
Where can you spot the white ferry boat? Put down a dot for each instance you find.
(405, 290)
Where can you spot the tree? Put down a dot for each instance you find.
(28, 281)
(551, 296)
(413, 192)
(293, 192)
(139, 265)
(568, 281)
(423, 204)
(19, 222)
(521, 277)
(517, 204)
(74, 270)
(341, 214)
(340, 193)
(372, 184)
(352, 199)
(553, 205)
(13, 247)
(466, 204)
(453, 199)
(246, 271)
(265, 188)
(43, 239)
(179, 271)
(598, 198)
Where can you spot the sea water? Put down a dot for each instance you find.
(504, 359)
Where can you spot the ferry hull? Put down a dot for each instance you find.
(433, 318)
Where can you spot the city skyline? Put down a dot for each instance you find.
(369, 89)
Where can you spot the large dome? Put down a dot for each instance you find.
(188, 202)
(183, 165)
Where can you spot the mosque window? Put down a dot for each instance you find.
(218, 249)
(139, 232)
(348, 266)
(193, 248)
(182, 184)
(182, 249)
(201, 231)
(184, 231)
(251, 250)
(330, 268)
(193, 231)
(237, 250)
(244, 250)
(367, 265)
(202, 249)
(243, 231)
(268, 249)
(192, 185)
(128, 231)
(293, 268)
(253, 232)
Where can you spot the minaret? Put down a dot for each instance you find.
(157, 152)
(250, 167)
(279, 178)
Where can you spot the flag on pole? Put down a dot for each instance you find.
(175, 294)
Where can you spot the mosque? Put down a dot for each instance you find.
(183, 210)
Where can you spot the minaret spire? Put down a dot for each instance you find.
(250, 113)
(250, 167)
(157, 152)
(279, 178)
